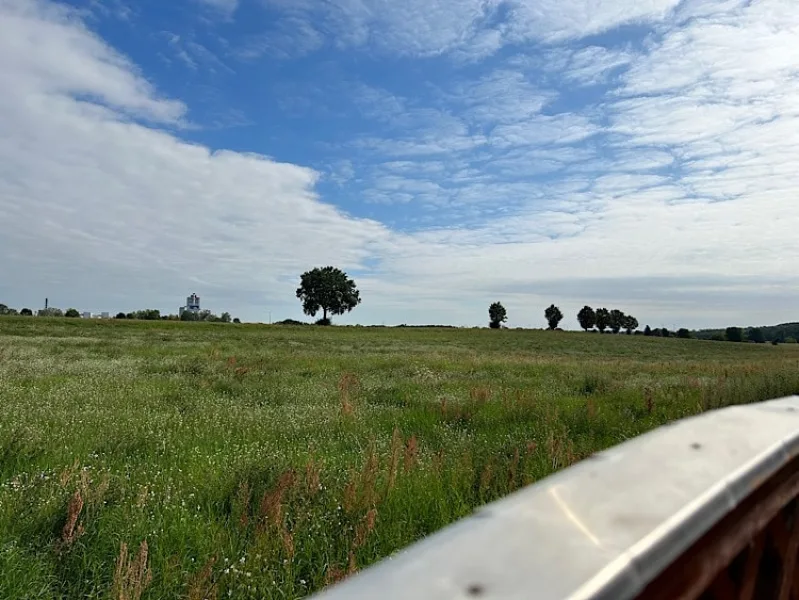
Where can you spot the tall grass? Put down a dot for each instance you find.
(170, 460)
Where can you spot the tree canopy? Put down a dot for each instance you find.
(586, 317)
(629, 324)
(497, 315)
(734, 334)
(327, 289)
(554, 316)
(616, 322)
(602, 319)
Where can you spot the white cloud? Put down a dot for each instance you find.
(558, 20)
(289, 37)
(503, 96)
(193, 54)
(564, 128)
(175, 43)
(593, 65)
(225, 7)
(118, 9)
(48, 53)
(468, 29)
(99, 210)
(413, 27)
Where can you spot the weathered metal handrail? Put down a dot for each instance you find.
(705, 507)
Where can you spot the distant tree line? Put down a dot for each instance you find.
(153, 314)
(665, 332)
(150, 314)
(786, 333)
(5, 311)
(44, 312)
(603, 319)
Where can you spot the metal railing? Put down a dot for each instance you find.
(702, 508)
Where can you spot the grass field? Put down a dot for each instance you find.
(172, 460)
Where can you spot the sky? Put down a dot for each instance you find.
(633, 154)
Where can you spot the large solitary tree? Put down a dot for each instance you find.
(553, 316)
(586, 317)
(497, 315)
(327, 289)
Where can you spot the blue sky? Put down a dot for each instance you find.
(638, 154)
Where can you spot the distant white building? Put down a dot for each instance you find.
(87, 315)
(192, 305)
(105, 315)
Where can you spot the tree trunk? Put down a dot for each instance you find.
(325, 313)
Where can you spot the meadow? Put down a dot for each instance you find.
(144, 460)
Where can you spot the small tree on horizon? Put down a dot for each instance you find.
(553, 316)
(755, 334)
(26, 312)
(72, 313)
(734, 334)
(647, 331)
(616, 320)
(683, 333)
(602, 319)
(586, 317)
(497, 315)
(629, 324)
(327, 289)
